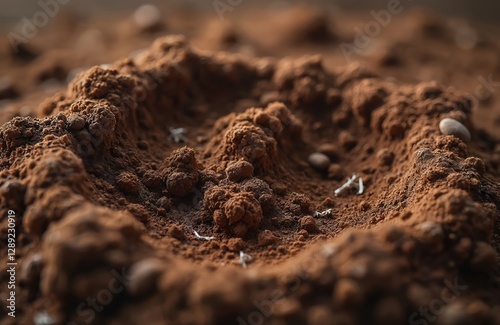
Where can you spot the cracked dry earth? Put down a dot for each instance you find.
(107, 204)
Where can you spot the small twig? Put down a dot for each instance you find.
(349, 183)
(346, 184)
(361, 187)
(244, 259)
(322, 213)
(202, 237)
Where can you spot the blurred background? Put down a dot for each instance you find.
(482, 10)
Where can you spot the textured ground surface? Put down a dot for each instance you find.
(108, 202)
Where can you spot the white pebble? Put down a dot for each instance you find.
(449, 126)
(44, 318)
(319, 161)
(147, 16)
(143, 276)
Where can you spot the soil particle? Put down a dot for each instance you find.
(181, 172)
(235, 213)
(266, 238)
(128, 183)
(177, 232)
(236, 244)
(242, 212)
(309, 224)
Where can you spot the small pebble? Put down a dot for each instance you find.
(147, 16)
(319, 161)
(144, 275)
(449, 126)
(76, 122)
(239, 170)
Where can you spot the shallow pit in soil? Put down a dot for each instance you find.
(103, 184)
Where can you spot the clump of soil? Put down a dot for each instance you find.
(103, 189)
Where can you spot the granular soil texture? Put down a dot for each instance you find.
(141, 191)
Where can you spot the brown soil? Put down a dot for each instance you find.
(108, 203)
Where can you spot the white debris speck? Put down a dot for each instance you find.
(361, 187)
(346, 184)
(244, 259)
(358, 270)
(177, 134)
(351, 182)
(322, 213)
(43, 318)
(328, 250)
(202, 237)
